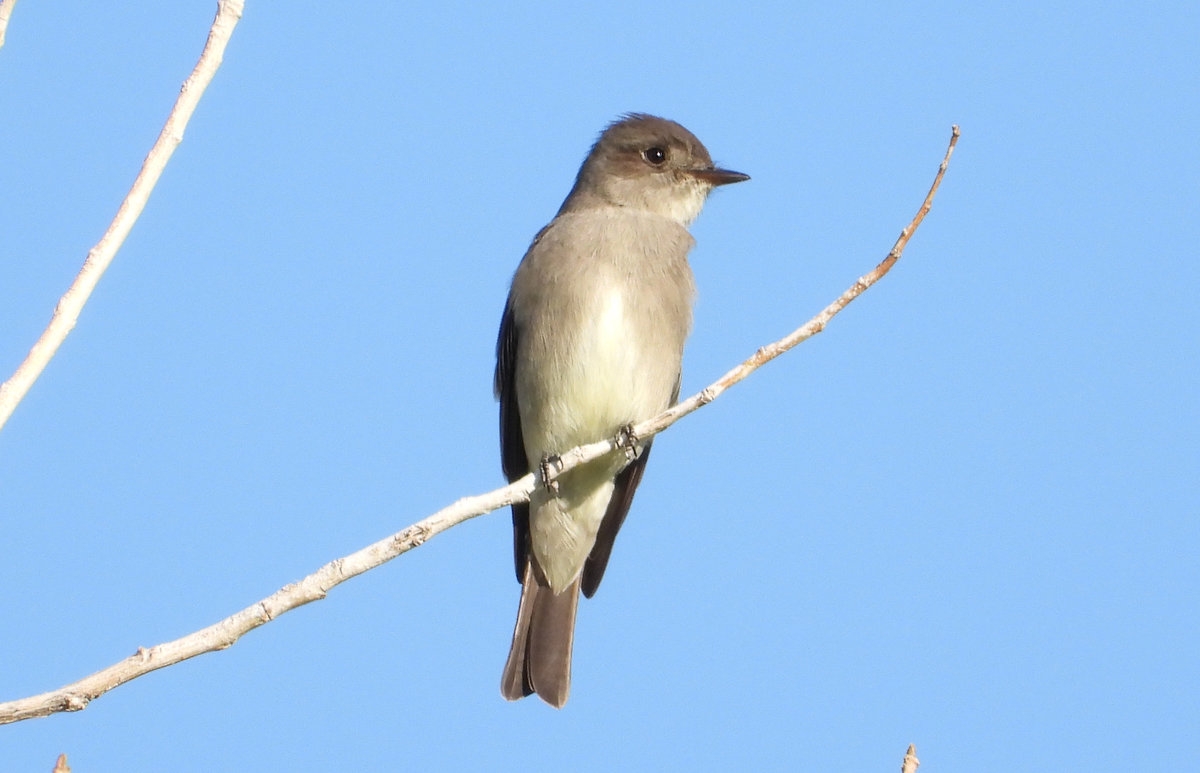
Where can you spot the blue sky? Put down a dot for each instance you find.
(964, 517)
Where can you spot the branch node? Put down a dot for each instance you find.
(337, 568)
(413, 536)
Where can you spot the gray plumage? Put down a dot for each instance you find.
(591, 341)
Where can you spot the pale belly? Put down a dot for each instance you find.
(611, 376)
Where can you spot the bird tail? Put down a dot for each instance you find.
(540, 658)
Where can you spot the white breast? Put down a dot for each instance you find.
(611, 333)
(604, 375)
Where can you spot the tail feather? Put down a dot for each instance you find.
(540, 658)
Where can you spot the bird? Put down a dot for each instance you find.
(591, 342)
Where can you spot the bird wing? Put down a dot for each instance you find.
(512, 442)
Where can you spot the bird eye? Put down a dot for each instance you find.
(655, 155)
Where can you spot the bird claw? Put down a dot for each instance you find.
(551, 465)
(627, 441)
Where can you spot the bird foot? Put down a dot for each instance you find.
(551, 465)
(627, 440)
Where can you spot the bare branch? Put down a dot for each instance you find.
(6, 7)
(225, 633)
(911, 763)
(66, 313)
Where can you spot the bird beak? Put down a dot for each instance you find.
(716, 177)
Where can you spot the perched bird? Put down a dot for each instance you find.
(591, 341)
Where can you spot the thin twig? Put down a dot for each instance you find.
(6, 7)
(66, 313)
(225, 633)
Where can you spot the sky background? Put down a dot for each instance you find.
(964, 517)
